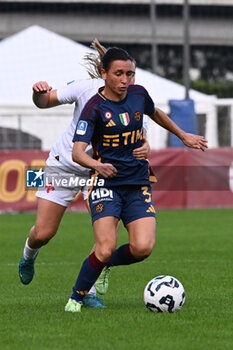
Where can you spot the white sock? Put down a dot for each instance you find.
(29, 253)
(92, 291)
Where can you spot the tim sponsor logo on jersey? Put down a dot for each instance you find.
(35, 178)
(82, 127)
(126, 137)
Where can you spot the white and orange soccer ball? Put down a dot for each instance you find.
(164, 294)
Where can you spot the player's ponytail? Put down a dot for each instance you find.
(93, 62)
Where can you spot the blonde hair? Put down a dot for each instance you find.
(93, 61)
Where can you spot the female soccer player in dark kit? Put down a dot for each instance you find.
(112, 121)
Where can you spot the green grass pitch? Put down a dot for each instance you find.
(195, 246)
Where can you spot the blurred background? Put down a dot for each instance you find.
(183, 50)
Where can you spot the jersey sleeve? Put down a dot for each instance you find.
(149, 105)
(72, 90)
(86, 124)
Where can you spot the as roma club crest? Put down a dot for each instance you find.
(137, 116)
(124, 118)
(99, 208)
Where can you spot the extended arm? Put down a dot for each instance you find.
(190, 140)
(43, 95)
(79, 156)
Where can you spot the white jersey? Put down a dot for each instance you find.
(80, 92)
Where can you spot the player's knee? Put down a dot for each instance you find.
(142, 250)
(105, 252)
(42, 235)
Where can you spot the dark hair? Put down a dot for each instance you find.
(93, 61)
(114, 54)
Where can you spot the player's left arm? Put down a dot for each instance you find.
(190, 140)
(143, 151)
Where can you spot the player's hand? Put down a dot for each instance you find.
(41, 86)
(143, 151)
(107, 170)
(195, 141)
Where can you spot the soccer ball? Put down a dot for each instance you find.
(164, 294)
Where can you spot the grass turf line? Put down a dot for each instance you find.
(193, 245)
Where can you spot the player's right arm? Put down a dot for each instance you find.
(79, 156)
(43, 95)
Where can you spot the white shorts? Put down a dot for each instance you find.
(62, 186)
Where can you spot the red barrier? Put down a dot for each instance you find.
(13, 193)
(186, 179)
(193, 179)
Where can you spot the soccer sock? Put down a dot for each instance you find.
(122, 256)
(29, 253)
(88, 274)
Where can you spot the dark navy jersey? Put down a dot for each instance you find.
(115, 129)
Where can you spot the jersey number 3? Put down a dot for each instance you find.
(146, 193)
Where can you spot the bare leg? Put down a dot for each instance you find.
(49, 215)
(141, 236)
(141, 242)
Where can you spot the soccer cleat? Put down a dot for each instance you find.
(101, 284)
(73, 306)
(91, 300)
(26, 270)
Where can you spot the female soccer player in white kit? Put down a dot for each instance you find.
(52, 204)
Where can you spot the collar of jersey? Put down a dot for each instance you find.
(107, 99)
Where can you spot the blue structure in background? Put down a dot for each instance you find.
(183, 114)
